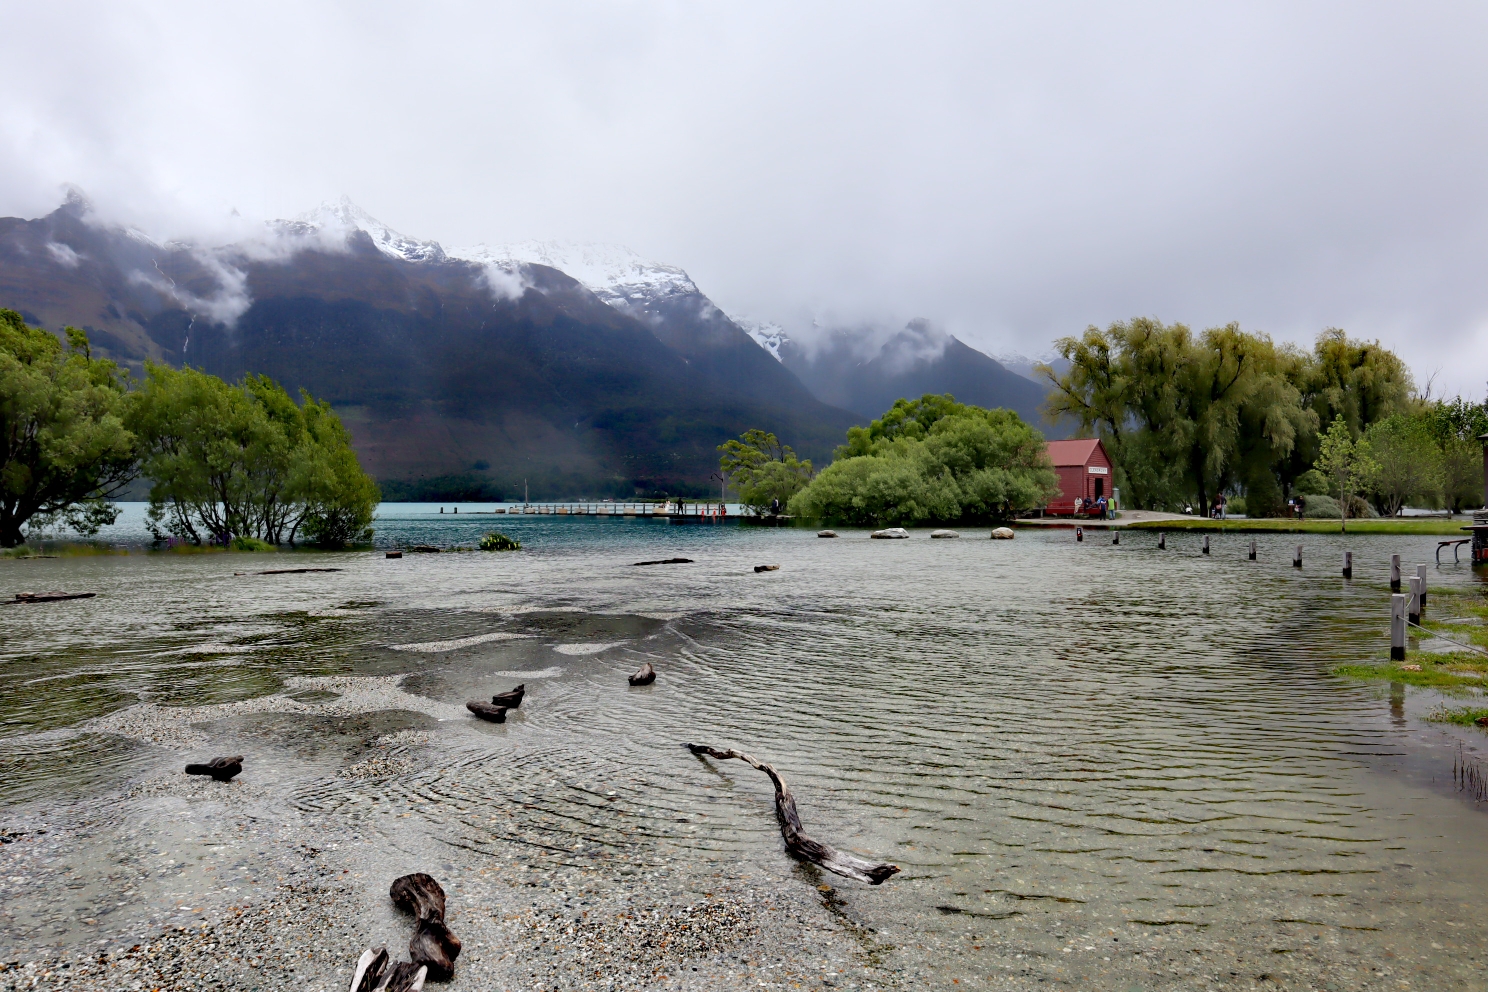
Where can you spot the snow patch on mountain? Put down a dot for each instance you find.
(614, 273)
(767, 334)
(333, 223)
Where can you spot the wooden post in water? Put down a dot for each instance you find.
(1348, 564)
(1079, 533)
(1206, 544)
(1162, 541)
(1115, 536)
(1397, 627)
(1394, 573)
(1421, 574)
(1297, 557)
(1413, 607)
(1252, 549)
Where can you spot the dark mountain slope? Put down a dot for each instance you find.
(436, 374)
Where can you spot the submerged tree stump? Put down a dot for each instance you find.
(432, 945)
(50, 597)
(221, 769)
(645, 676)
(796, 841)
(512, 698)
(486, 711)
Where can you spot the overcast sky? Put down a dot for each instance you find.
(1012, 172)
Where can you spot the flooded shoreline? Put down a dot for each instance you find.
(1075, 752)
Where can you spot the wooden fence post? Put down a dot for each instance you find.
(1394, 573)
(1162, 541)
(1413, 607)
(1421, 574)
(1397, 627)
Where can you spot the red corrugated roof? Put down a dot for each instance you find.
(1072, 452)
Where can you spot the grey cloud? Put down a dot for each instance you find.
(1010, 172)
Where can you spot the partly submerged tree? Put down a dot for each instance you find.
(762, 470)
(932, 459)
(243, 460)
(64, 447)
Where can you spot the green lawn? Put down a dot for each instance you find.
(1435, 525)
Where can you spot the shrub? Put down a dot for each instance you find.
(1311, 483)
(1235, 506)
(241, 543)
(1322, 507)
(497, 541)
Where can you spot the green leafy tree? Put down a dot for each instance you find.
(230, 462)
(1457, 425)
(1406, 463)
(1184, 417)
(762, 470)
(64, 447)
(932, 459)
(1345, 463)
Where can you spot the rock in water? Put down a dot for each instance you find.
(221, 769)
(495, 714)
(944, 533)
(890, 534)
(645, 676)
(826, 533)
(1002, 534)
(511, 698)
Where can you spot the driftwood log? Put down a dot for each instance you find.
(432, 945)
(644, 676)
(394, 554)
(486, 711)
(372, 974)
(297, 571)
(511, 698)
(51, 597)
(796, 841)
(767, 568)
(221, 769)
(667, 561)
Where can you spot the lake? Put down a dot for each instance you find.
(1109, 766)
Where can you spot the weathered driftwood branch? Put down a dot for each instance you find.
(667, 561)
(50, 597)
(297, 571)
(221, 769)
(796, 840)
(486, 711)
(644, 676)
(767, 568)
(432, 945)
(372, 974)
(511, 698)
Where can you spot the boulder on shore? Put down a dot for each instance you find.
(944, 533)
(1002, 534)
(890, 534)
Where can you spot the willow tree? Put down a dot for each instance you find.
(243, 460)
(64, 449)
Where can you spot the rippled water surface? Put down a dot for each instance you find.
(1040, 732)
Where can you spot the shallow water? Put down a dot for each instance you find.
(1064, 745)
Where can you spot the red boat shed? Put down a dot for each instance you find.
(1084, 471)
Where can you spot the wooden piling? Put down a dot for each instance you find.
(1115, 536)
(1297, 557)
(1162, 541)
(1421, 574)
(1079, 533)
(1413, 605)
(1206, 544)
(1397, 627)
(1252, 549)
(1348, 564)
(1394, 573)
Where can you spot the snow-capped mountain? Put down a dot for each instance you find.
(766, 333)
(333, 223)
(614, 273)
